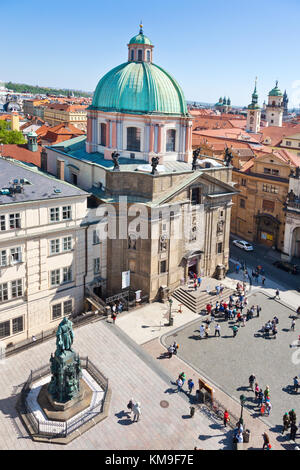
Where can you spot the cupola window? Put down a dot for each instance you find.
(171, 137)
(133, 139)
(140, 55)
(132, 54)
(148, 56)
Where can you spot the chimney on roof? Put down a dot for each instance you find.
(44, 160)
(60, 169)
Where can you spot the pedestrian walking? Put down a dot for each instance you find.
(293, 324)
(263, 280)
(260, 397)
(179, 384)
(201, 331)
(217, 330)
(293, 417)
(113, 316)
(235, 330)
(195, 285)
(296, 384)
(130, 405)
(182, 376)
(199, 280)
(277, 294)
(294, 430)
(207, 330)
(136, 412)
(190, 385)
(226, 418)
(258, 310)
(267, 392)
(256, 390)
(268, 407)
(286, 422)
(251, 381)
(170, 351)
(266, 440)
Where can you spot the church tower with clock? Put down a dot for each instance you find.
(253, 114)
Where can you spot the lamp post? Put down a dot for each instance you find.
(242, 400)
(170, 311)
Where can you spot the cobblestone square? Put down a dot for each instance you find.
(228, 362)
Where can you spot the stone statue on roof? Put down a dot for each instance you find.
(228, 157)
(115, 157)
(154, 164)
(196, 154)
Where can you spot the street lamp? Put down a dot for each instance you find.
(170, 311)
(242, 400)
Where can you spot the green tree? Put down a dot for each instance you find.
(8, 136)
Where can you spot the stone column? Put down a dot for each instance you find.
(151, 138)
(114, 134)
(108, 133)
(159, 138)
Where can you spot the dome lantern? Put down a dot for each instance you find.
(140, 48)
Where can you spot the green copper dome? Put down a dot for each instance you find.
(140, 39)
(275, 91)
(139, 88)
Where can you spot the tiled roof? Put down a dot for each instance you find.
(21, 153)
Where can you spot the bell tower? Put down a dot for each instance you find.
(274, 111)
(253, 113)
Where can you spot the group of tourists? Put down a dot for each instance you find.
(180, 383)
(289, 421)
(172, 349)
(196, 279)
(270, 327)
(116, 308)
(258, 271)
(262, 397)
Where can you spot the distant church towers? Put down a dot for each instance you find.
(253, 113)
(274, 109)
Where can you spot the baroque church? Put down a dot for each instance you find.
(138, 148)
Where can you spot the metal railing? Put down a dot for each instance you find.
(62, 429)
(216, 408)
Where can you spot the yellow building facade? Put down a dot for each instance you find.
(257, 214)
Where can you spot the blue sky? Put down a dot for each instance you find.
(212, 47)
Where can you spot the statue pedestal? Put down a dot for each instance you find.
(56, 411)
(65, 381)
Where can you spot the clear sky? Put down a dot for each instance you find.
(212, 47)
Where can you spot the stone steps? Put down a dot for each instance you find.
(197, 301)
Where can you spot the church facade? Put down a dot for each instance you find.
(165, 216)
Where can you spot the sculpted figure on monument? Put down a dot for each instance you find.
(64, 336)
(228, 157)
(155, 162)
(115, 157)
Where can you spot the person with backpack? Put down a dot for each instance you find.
(175, 347)
(182, 376)
(170, 351)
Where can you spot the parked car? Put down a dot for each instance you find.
(289, 267)
(243, 245)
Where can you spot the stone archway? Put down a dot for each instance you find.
(295, 248)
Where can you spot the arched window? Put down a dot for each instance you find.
(132, 54)
(103, 134)
(171, 137)
(140, 55)
(133, 139)
(148, 56)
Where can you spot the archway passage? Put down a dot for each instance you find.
(296, 243)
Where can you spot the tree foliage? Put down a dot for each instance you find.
(7, 136)
(24, 88)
